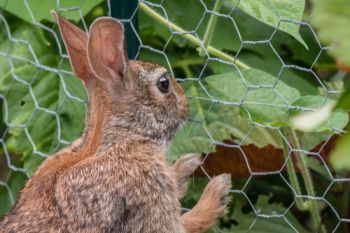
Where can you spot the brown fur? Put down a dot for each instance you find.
(115, 177)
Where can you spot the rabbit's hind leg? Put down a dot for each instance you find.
(183, 168)
(210, 206)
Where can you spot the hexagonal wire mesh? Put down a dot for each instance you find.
(244, 79)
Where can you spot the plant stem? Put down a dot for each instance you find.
(301, 205)
(314, 210)
(217, 53)
(209, 31)
(187, 71)
(188, 62)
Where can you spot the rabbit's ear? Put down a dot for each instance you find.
(75, 41)
(106, 51)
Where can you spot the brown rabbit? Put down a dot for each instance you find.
(115, 177)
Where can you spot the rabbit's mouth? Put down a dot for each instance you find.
(182, 102)
(183, 113)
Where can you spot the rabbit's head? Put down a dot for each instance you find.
(139, 96)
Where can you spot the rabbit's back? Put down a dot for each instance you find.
(36, 209)
(23, 219)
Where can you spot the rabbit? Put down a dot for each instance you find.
(115, 178)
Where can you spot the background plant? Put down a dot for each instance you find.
(248, 67)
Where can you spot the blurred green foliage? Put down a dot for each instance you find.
(332, 21)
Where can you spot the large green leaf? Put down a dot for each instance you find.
(265, 99)
(272, 12)
(331, 19)
(190, 139)
(266, 62)
(38, 10)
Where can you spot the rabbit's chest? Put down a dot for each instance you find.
(151, 185)
(151, 202)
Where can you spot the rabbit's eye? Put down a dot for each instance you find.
(163, 84)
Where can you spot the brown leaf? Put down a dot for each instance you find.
(235, 160)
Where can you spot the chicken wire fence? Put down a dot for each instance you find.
(244, 77)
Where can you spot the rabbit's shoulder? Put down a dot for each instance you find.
(42, 182)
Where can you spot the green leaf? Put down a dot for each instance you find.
(311, 139)
(316, 165)
(190, 139)
(265, 99)
(221, 123)
(264, 225)
(265, 61)
(339, 157)
(40, 10)
(331, 19)
(272, 12)
(9, 191)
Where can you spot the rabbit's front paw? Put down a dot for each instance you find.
(186, 165)
(183, 168)
(217, 194)
(210, 206)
